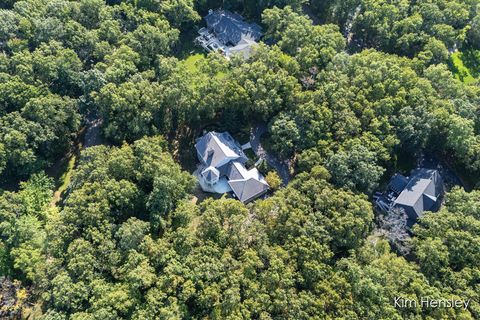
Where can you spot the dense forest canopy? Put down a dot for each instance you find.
(349, 93)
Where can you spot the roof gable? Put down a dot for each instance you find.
(429, 202)
(248, 189)
(211, 174)
(422, 191)
(216, 149)
(230, 27)
(236, 171)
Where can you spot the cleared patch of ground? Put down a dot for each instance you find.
(191, 62)
(64, 180)
(466, 65)
(63, 169)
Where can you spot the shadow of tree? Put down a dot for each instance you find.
(471, 60)
(465, 65)
(453, 68)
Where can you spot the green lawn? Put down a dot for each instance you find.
(64, 179)
(191, 61)
(465, 65)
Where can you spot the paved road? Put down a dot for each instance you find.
(282, 167)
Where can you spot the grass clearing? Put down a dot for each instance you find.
(191, 62)
(64, 180)
(465, 66)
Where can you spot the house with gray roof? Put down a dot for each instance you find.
(222, 168)
(229, 34)
(421, 191)
(230, 28)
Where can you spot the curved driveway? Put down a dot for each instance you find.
(282, 167)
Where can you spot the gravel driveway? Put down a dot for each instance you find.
(93, 133)
(281, 166)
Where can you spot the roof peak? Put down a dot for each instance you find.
(216, 149)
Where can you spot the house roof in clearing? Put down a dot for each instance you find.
(222, 158)
(244, 48)
(248, 189)
(216, 149)
(231, 28)
(246, 184)
(421, 193)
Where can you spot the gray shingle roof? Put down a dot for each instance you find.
(216, 149)
(247, 190)
(246, 184)
(231, 28)
(398, 183)
(234, 172)
(211, 174)
(222, 156)
(244, 48)
(422, 192)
